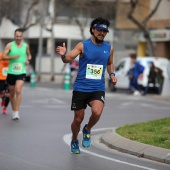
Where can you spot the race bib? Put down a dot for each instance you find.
(94, 71)
(4, 71)
(17, 67)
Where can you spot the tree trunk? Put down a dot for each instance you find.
(150, 45)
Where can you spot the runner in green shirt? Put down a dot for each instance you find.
(18, 53)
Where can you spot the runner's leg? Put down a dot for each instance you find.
(96, 109)
(75, 126)
(12, 96)
(18, 88)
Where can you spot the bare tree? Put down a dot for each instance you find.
(143, 25)
(93, 9)
(13, 10)
(28, 23)
(10, 10)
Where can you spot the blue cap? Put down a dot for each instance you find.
(100, 27)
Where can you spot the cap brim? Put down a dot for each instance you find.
(100, 29)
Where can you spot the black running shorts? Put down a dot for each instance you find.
(80, 100)
(3, 86)
(11, 78)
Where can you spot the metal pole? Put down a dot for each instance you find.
(40, 45)
(40, 41)
(52, 40)
(52, 55)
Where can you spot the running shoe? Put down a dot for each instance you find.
(86, 142)
(137, 93)
(4, 110)
(15, 116)
(75, 147)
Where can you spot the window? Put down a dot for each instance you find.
(120, 66)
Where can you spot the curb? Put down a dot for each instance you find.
(115, 141)
(163, 98)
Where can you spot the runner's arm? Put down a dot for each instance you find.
(5, 55)
(66, 58)
(29, 57)
(110, 68)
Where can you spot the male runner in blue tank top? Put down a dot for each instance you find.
(96, 55)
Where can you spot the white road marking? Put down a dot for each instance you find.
(67, 140)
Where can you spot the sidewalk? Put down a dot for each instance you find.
(163, 98)
(115, 141)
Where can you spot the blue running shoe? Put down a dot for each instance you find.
(75, 147)
(86, 142)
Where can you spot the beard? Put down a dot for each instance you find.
(97, 40)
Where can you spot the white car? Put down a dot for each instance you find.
(123, 66)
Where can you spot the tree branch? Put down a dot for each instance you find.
(141, 26)
(152, 12)
(133, 4)
(28, 13)
(30, 25)
(81, 28)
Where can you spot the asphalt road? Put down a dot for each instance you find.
(40, 139)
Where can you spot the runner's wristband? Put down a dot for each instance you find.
(63, 56)
(111, 74)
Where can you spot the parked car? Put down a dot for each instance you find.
(123, 66)
(29, 70)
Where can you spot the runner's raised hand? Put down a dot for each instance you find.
(61, 50)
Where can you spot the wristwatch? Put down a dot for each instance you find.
(110, 74)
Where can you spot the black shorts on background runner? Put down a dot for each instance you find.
(11, 78)
(4, 86)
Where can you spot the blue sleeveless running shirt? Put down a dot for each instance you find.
(92, 66)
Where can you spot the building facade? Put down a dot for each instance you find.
(159, 25)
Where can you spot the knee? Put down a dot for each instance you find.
(97, 113)
(78, 120)
(18, 91)
(12, 93)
